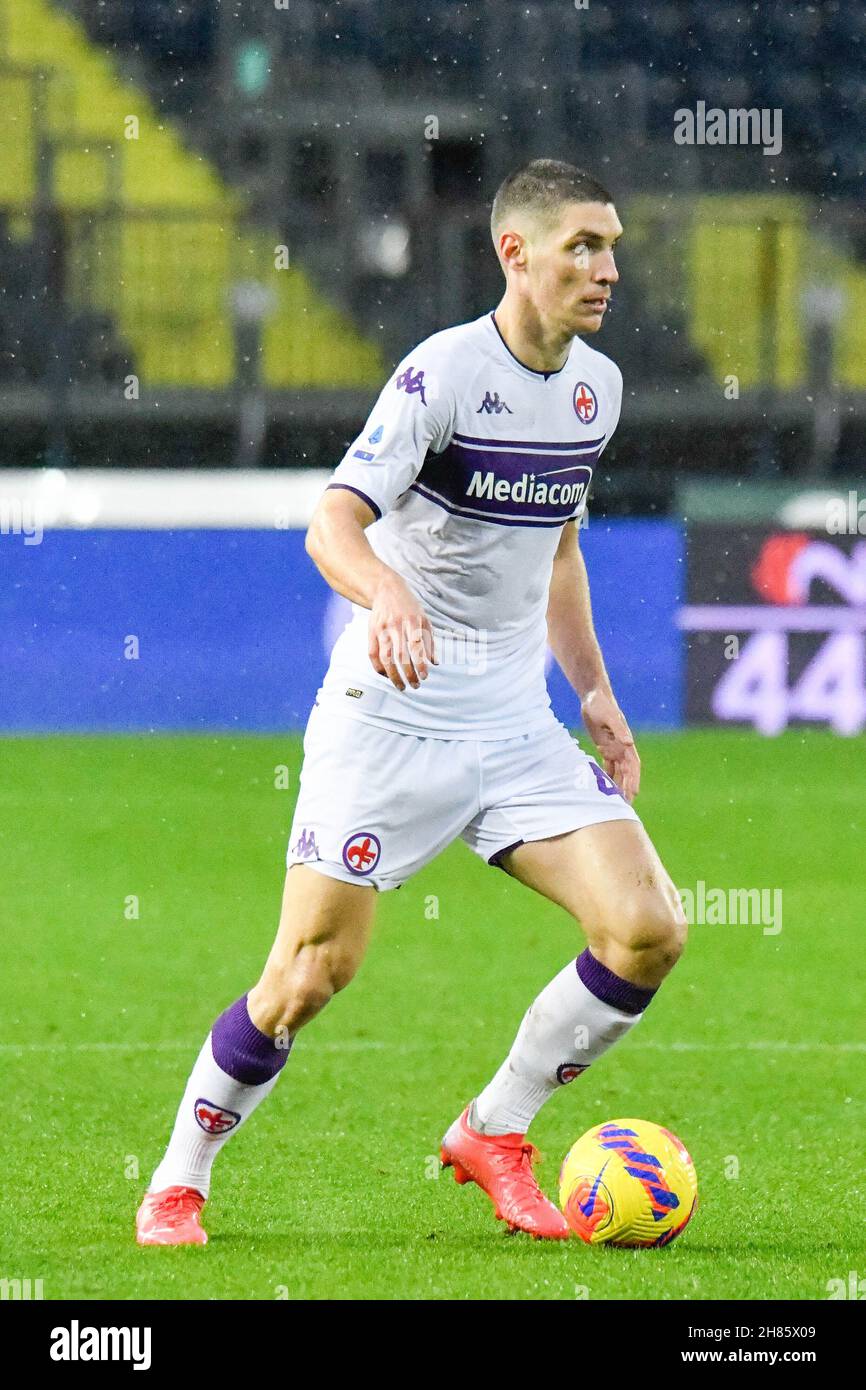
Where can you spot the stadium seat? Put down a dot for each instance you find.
(164, 253)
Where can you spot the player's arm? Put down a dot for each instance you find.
(400, 631)
(572, 638)
(414, 413)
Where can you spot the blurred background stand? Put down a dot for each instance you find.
(251, 305)
(823, 308)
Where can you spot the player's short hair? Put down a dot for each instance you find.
(540, 188)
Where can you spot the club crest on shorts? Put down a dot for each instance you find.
(567, 1071)
(213, 1119)
(585, 403)
(361, 852)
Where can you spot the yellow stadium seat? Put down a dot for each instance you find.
(152, 227)
(724, 244)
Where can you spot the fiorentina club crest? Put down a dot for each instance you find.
(213, 1119)
(585, 403)
(361, 852)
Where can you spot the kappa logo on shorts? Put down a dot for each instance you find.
(567, 1071)
(361, 852)
(213, 1119)
(305, 845)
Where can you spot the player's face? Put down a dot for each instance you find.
(572, 268)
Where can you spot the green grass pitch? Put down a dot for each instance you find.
(753, 1051)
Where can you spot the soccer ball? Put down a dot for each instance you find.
(628, 1182)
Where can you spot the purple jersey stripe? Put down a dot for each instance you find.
(506, 486)
(492, 518)
(358, 493)
(510, 460)
(519, 444)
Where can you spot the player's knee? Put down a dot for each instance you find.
(291, 995)
(656, 929)
(288, 1004)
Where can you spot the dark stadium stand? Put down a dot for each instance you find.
(810, 57)
(266, 92)
(35, 313)
(313, 118)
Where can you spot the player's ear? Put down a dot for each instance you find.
(512, 250)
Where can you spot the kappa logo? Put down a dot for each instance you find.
(361, 852)
(413, 385)
(305, 845)
(492, 405)
(376, 436)
(213, 1119)
(585, 403)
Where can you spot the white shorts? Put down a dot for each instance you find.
(375, 805)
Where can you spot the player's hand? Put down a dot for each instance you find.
(401, 638)
(613, 738)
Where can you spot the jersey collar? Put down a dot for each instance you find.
(545, 376)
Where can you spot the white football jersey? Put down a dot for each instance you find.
(473, 463)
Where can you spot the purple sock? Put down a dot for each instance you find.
(242, 1051)
(610, 988)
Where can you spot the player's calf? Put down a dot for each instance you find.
(611, 879)
(323, 932)
(289, 995)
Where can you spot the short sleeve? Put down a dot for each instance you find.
(414, 414)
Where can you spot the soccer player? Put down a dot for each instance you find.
(452, 526)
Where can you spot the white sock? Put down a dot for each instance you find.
(213, 1107)
(584, 1010)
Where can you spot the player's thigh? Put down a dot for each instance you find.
(610, 877)
(323, 934)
